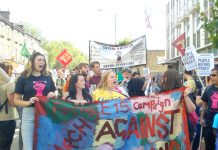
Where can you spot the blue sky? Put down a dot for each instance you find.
(79, 21)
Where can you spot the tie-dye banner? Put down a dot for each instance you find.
(140, 123)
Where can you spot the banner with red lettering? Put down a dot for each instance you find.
(64, 58)
(138, 123)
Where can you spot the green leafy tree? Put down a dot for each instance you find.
(55, 47)
(125, 41)
(210, 23)
(32, 30)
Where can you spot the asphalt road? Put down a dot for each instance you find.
(15, 144)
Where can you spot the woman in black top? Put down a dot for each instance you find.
(33, 82)
(77, 92)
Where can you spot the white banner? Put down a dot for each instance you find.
(190, 58)
(205, 64)
(115, 56)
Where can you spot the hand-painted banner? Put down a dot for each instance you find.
(139, 123)
(116, 56)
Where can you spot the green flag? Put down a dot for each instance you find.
(24, 51)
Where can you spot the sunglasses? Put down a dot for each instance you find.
(213, 75)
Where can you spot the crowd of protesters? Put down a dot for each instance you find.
(88, 83)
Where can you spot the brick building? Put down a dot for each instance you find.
(153, 62)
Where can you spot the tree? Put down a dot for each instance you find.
(125, 41)
(55, 47)
(33, 31)
(210, 23)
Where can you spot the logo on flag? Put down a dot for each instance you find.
(64, 58)
(179, 43)
(24, 51)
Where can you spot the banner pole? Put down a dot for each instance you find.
(199, 79)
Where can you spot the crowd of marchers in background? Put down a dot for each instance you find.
(88, 83)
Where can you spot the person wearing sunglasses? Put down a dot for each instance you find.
(210, 105)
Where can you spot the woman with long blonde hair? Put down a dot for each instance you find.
(34, 81)
(108, 88)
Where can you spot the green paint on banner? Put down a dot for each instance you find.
(64, 111)
(139, 116)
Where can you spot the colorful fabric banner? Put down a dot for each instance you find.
(116, 56)
(179, 43)
(24, 51)
(139, 123)
(64, 58)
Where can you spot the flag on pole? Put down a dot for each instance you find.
(147, 20)
(179, 43)
(24, 51)
(64, 58)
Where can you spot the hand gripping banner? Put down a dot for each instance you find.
(150, 123)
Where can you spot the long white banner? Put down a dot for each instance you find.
(115, 56)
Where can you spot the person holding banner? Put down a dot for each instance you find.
(77, 92)
(34, 81)
(210, 105)
(108, 88)
(171, 81)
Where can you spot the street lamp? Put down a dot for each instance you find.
(115, 24)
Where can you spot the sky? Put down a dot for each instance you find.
(79, 21)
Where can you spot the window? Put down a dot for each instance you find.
(194, 40)
(188, 41)
(198, 38)
(186, 24)
(172, 51)
(206, 38)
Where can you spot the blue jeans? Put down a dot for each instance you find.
(27, 127)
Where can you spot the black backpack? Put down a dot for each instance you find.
(6, 106)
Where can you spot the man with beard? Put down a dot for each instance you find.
(84, 70)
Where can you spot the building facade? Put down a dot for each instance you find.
(184, 16)
(154, 64)
(12, 38)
